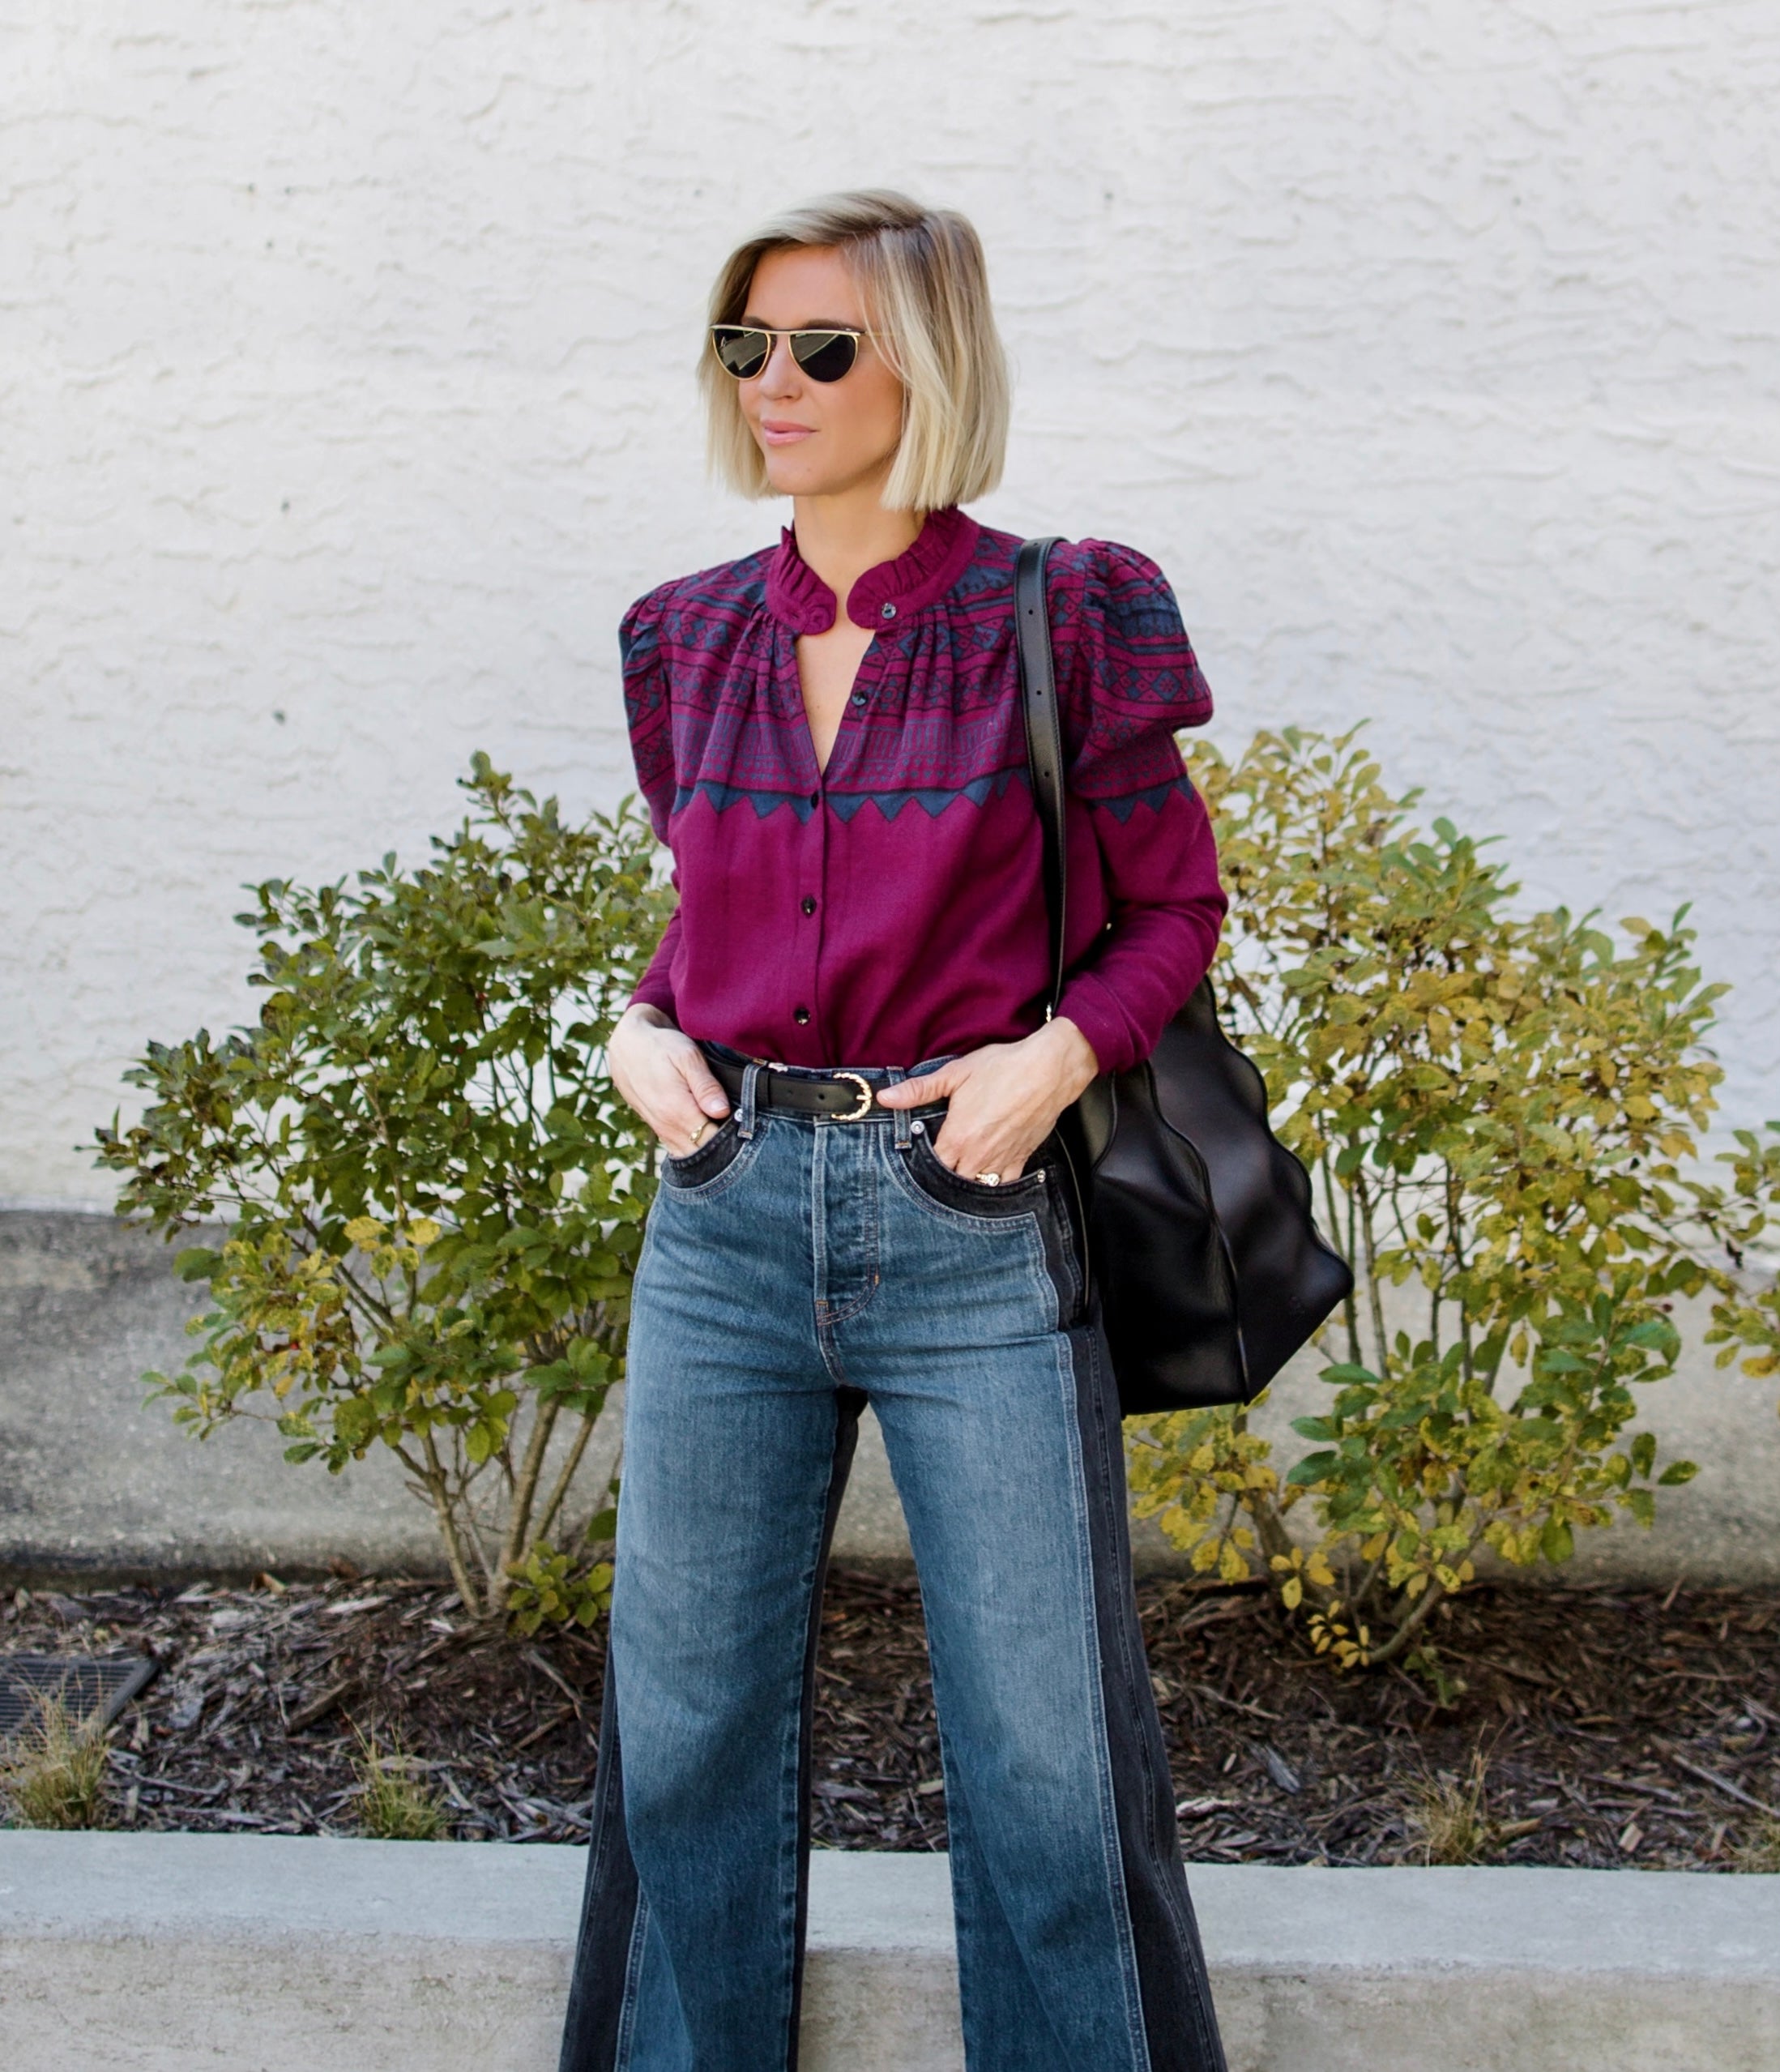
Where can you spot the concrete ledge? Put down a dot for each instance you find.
(151, 1953)
(96, 1487)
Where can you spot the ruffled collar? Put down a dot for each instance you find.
(939, 555)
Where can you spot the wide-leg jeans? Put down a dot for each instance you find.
(795, 1269)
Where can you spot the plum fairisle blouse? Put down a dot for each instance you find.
(890, 908)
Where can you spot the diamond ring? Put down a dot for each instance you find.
(988, 1180)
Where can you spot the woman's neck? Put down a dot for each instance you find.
(840, 537)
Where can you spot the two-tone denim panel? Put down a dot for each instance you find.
(791, 1275)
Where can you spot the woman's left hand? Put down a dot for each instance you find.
(1005, 1098)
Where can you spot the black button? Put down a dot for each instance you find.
(887, 611)
(800, 1015)
(809, 904)
(815, 798)
(859, 697)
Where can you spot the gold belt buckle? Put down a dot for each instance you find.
(865, 1097)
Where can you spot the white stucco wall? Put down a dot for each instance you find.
(345, 399)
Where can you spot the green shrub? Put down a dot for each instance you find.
(432, 1196)
(1500, 1114)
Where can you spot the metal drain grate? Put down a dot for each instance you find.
(94, 1689)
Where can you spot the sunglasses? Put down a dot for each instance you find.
(743, 350)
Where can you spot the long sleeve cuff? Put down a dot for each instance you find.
(1122, 1023)
(1161, 867)
(1094, 1011)
(656, 989)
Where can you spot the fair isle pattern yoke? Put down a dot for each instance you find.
(921, 831)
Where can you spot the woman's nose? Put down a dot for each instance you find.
(781, 375)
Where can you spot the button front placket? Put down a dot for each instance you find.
(807, 1003)
(808, 1006)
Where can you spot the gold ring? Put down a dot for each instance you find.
(698, 1134)
(988, 1180)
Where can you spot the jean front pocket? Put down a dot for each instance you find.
(930, 1181)
(716, 1165)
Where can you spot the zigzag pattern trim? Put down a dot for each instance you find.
(932, 799)
(1155, 797)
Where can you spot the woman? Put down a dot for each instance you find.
(841, 1045)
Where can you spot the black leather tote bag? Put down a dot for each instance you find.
(1209, 1270)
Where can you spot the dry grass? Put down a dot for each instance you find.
(396, 1804)
(1449, 1819)
(54, 1775)
(1760, 1851)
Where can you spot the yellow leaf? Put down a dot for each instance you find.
(364, 1231)
(423, 1232)
(1230, 1564)
(1319, 1570)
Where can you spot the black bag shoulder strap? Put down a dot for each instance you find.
(1043, 738)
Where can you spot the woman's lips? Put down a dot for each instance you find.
(782, 435)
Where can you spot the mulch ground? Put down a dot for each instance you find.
(1608, 1728)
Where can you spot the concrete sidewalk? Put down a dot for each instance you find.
(151, 1953)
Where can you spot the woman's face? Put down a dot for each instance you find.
(819, 439)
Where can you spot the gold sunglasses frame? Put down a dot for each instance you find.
(796, 330)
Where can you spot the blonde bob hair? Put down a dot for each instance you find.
(921, 276)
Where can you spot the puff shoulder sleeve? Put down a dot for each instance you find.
(649, 716)
(1127, 680)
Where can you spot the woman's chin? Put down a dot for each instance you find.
(789, 474)
(808, 482)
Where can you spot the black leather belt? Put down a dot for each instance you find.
(841, 1097)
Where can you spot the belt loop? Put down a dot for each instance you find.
(905, 1139)
(745, 1115)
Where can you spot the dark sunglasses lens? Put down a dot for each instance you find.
(825, 356)
(743, 352)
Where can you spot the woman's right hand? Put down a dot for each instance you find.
(662, 1073)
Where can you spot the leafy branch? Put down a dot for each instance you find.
(432, 1199)
(1504, 1112)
